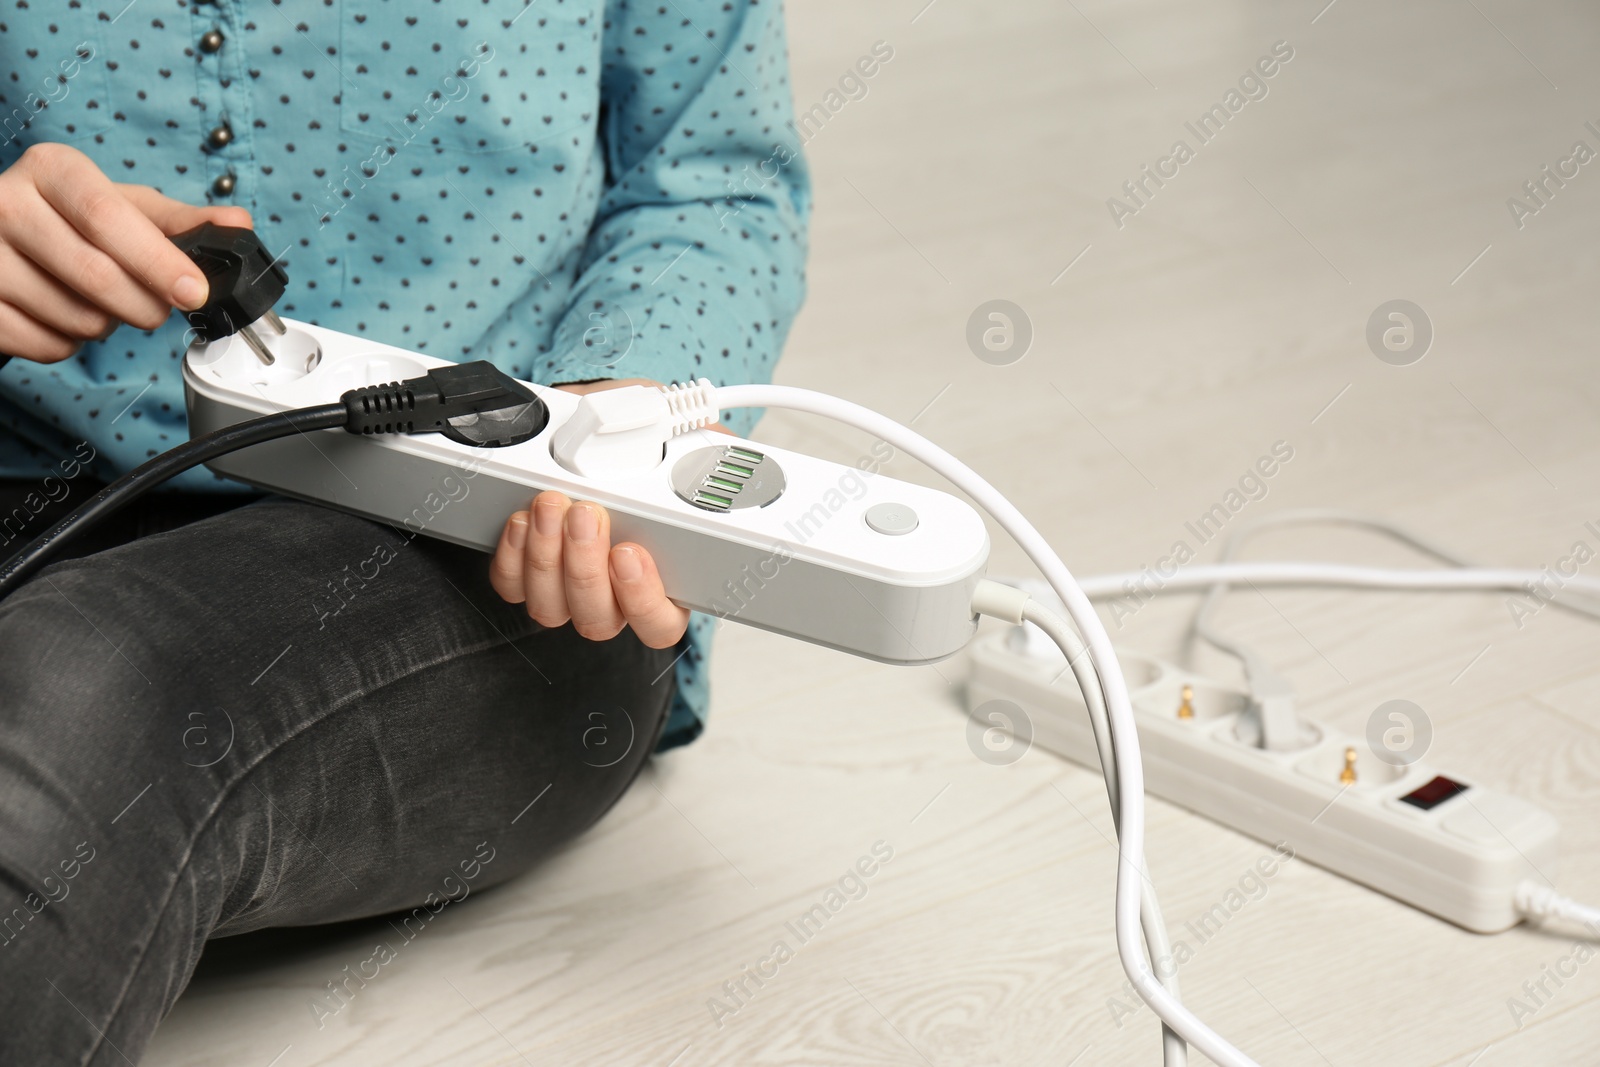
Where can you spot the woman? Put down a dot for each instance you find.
(192, 744)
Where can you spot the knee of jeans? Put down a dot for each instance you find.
(68, 750)
(90, 693)
(78, 615)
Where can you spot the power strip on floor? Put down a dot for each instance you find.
(1436, 841)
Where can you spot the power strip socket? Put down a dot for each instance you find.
(1437, 842)
(840, 557)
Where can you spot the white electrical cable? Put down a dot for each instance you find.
(1123, 729)
(1203, 576)
(1542, 905)
(1202, 626)
(1272, 700)
(1175, 1052)
(1017, 606)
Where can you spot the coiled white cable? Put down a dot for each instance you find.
(1119, 711)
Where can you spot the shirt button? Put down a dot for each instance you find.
(223, 186)
(211, 42)
(220, 137)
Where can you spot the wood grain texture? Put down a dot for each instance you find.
(1226, 315)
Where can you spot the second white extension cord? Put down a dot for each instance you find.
(1440, 841)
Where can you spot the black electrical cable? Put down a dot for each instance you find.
(472, 403)
(167, 465)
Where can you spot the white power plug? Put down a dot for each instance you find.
(610, 432)
(625, 430)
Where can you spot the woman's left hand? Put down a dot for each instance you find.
(557, 558)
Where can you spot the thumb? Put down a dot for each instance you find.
(174, 216)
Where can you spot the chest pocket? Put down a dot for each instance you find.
(421, 75)
(55, 83)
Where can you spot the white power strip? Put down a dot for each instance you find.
(1437, 842)
(820, 551)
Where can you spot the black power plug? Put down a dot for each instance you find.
(473, 403)
(246, 281)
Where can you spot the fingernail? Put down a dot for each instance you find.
(189, 293)
(625, 561)
(547, 519)
(582, 525)
(518, 534)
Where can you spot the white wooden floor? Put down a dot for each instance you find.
(1227, 314)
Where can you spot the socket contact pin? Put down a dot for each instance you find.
(1186, 707)
(1348, 775)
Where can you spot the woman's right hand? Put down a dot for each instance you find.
(81, 254)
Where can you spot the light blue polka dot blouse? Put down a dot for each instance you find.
(569, 188)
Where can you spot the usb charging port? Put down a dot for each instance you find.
(706, 497)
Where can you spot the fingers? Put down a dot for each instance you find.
(557, 559)
(47, 239)
(174, 216)
(586, 552)
(505, 569)
(24, 336)
(543, 583)
(655, 620)
(49, 302)
(527, 565)
(99, 244)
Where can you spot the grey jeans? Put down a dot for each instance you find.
(279, 715)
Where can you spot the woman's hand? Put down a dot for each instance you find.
(557, 558)
(80, 254)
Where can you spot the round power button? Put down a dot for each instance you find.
(892, 519)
